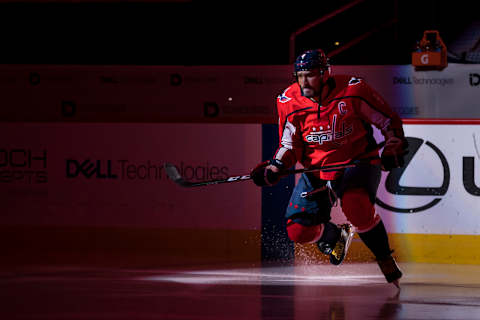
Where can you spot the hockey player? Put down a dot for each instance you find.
(326, 120)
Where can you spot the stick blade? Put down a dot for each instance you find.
(175, 176)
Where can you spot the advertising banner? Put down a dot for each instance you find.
(112, 175)
(438, 190)
(213, 94)
(141, 93)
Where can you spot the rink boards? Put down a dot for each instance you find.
(434, 216)
(82, 149)
(100, 189)
(98, 186)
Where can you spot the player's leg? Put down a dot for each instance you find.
(360, 211)
(308, 219)
(358, 193)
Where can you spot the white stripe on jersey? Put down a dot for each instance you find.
(287, 137)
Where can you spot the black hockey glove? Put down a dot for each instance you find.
(267, 173)
(394, 151)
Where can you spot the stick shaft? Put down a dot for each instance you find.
(173, 174)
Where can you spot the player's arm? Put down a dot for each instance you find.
(288, 152)
(375, 110)
(290, 146)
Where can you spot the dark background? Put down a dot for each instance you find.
(218, 33)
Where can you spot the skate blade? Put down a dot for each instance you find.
(350, 232)
(349, 239)
(396, 283)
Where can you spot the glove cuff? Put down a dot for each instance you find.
(277, 163)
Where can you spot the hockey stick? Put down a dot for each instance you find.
(176, 177)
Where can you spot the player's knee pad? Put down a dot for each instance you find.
(303, 234)
(359, 210)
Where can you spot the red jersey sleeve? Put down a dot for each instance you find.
(290, 147)
(375, 110)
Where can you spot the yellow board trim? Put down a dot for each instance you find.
(408, 247)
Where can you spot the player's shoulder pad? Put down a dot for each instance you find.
(345, 80)
(286, 95)
(355, 81)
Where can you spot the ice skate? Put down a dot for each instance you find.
(390, 270)
(339, 252)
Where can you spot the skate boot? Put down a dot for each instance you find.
(339, 252)
(335, 241)
(390, 270)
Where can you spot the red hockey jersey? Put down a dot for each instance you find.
(336, 130)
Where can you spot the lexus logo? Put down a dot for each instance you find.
(392, 183)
